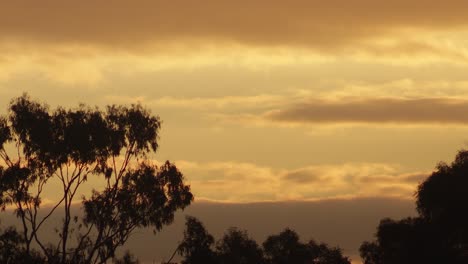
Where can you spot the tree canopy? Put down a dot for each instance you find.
(439, 234)
(236, 247)
(38, 145)
(197, 244)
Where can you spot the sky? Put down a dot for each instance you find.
(261, 101)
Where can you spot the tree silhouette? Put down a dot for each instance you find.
(127, 259)
(442, 200)
(286, 248)
(371, 253)
(324, 254)
(196, 247)
(12, 248)
(439, 234)
(410, 240)
(71, 146)
(236, 247)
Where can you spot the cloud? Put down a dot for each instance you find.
(303, 176)
(87, 43)
(123, 23)
(72, 64)
(337, 107)
(224, 102)
(324, 221)
(404, 88)
(332, 93)
(414, 177)
(374, 110)
(247, 182)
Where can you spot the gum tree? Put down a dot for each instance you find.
(439, 233)
(72, 146)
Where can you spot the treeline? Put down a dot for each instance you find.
(439, 234)
(236, 247)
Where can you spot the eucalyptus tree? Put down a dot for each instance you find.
(72, 146)
(439, 233)
(236, 247)
(197, 244)
(286, 247)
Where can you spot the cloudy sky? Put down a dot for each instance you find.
(261, 101)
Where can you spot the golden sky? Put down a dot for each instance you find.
(261, 100)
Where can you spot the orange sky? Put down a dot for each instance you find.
(333, 101)
(266, 100)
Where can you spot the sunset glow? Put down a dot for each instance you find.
(261, 101)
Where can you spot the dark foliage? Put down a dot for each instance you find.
(127, 259)
(371, 253)
(442, 200)
(197, 244)
(37, 144)
(287, 248)
(439, 234)
(12, 249)
(235, 247)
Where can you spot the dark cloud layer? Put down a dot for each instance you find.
(346, 223)
(311, 23)
(382, 110)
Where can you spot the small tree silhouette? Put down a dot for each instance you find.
(197, 244)
(71, 146)
(235, 247)
(287, 248)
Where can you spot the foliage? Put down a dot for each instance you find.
(237, 247)
(286, 248)
(439, 234)
(371, 252)
(197, 244)
(442, 199)
(38, 145)
(127, 258)
(12, 248)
